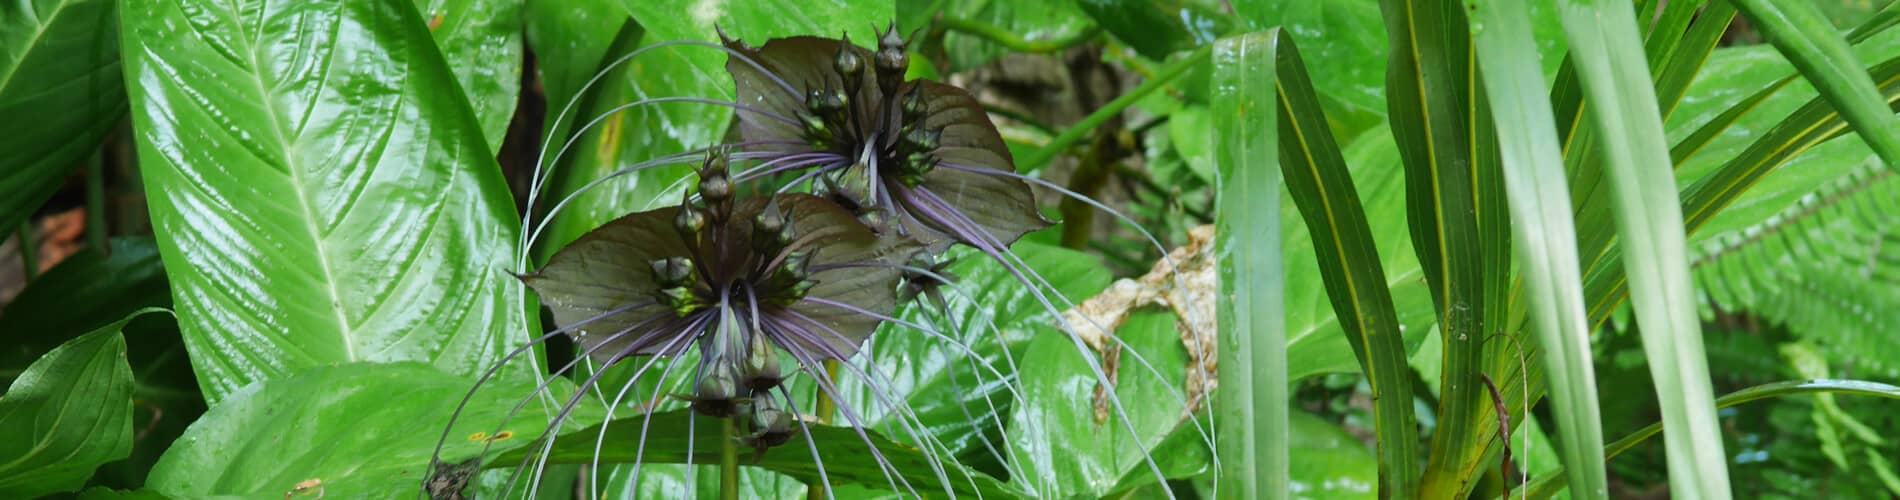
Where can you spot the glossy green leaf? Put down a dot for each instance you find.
(481, 40)
(1548, 485)
(318, 199)
(1065, 449)
(59, 65)
(1322, 187)
(1333, 463)
(983, 30)
(988, 311)
(67, 413)
(675, 481)
(364, 430)
(1348, 56)
(1158, 28)
(1252, 396)
(1649, 224)
(842, 451)
(1544, 236)
(1822, 55)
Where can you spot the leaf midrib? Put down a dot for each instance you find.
(291, 167)
(33, 41)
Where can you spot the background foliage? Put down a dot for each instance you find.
(246, 228)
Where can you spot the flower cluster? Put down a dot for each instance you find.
(892, 173)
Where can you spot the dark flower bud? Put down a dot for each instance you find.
(714, 395)
(926, 276)
(767, 222)
(715, 188)
(673, 271)
(850, 66)
(761, 365)
(836, 103)
(766, 427)
(722, 351)
(689, 222)
(892, 61)
(877, 220)
(680, 299)
(796, 292)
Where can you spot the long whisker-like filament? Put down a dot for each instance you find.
(600, 439)
(1007, 381)
(553, 433)
(814, 368)
(906, 417)
(436, 455)
(988, 244)
(824, 480)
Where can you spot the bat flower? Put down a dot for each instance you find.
(741, 280)
(917, 157)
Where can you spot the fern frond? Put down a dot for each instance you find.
(1826, 268)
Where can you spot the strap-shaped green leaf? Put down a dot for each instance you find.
(1456, 213)
(1252, 397)
(1545, 235)
(1628, 121)
(317, 198)
(1822, 55)
(1549, 485)
(1807, 127)
(1321, 186)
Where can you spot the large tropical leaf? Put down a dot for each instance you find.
(845, 460)
(67, 413)
(1067, 448)
(361, 430)
(481, 40)
(317, 198)
(60, 91)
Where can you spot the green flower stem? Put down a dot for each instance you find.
(1014, 42)
(1041, 157)
(825, 407)
(96, 202)
(728, 460)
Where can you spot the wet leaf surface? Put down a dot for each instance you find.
(317, 198)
